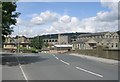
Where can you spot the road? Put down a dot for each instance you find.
(55, 67)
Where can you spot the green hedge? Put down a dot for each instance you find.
(31, 50)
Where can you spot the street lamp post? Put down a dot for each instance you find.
(18, 40)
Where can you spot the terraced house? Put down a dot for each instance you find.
(12, 43)
(90, 41)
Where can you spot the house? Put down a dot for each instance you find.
(91, 41)
(12, 43)
(84, 44)
(9, 44)
(22, 41)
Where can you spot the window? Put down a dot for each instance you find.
(112, 45)
(49, 40)
(110, 36)
(55, 40)
(24, 45)
(52, 40)
(78, 46)
(116, 45)
(10, 40)
(107, 36)
(113, 36)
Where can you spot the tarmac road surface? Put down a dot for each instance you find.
(55, 67)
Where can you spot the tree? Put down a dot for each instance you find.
(0, 25)
(119, 34)
(46, 44)
(9, 16)
(37, 42)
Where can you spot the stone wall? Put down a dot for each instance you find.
(104, 53)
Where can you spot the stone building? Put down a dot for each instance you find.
(90, 41)
(50, 41)
(60, 39)
(59, 44)
(11, 43)
(63, 39)
(61, 48)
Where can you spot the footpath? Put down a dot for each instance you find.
(103, 60)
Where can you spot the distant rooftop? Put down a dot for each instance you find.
(93, 34)
(63, 45)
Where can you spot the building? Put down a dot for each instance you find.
(12, 43)
(59, 44)
(61, 48)
(63, 38)
(90, 41)
(51, 41)
(60, 39)
(9, 44)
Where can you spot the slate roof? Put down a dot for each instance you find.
(109, 40)
(63, 45)
(93, 34)
(14, 40)
(81, 41)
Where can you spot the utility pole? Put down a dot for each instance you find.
(59, 41)
(38, 41)
(18, 39)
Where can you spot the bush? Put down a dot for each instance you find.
(31, 50)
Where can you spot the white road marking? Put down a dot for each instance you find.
(22, 70)
(54, 55)
(79, 68)
(64, 62)
(61, 60)
(57, 58)
(89, 72)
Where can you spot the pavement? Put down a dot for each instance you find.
(97, 59)
(43, 66)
